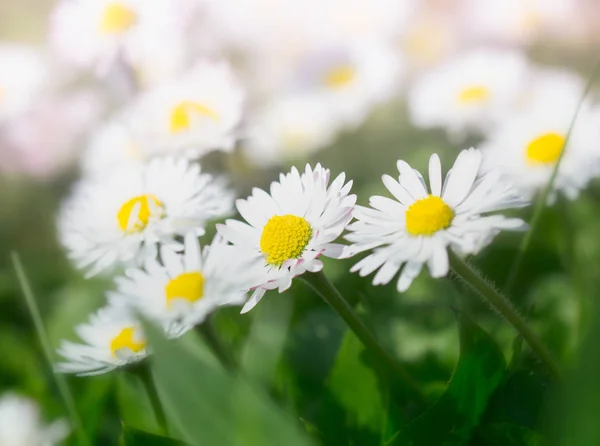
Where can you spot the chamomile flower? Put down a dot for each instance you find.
(469, 92)
(198, 112)
(93, 33)
(289, 128)
(527, 144)
(189, 286)
(23, 74)
(119, 218)
(420, 225)
(290, 228)
(113, 338)
(21, 424)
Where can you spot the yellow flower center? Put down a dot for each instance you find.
(284, 237)
(144, 206)
(125, 339)
(428, 215)
(339, 76)
(475, 94)
(545, 149)
(188, 286)
(181, 115)
(117, 18)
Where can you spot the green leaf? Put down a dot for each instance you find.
(453, 418)
(355, 385)
(506, 434)
(208, 406)
(134, 437)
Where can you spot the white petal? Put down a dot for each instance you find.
(463, 175)
(435, 175)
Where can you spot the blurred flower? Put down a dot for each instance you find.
(469, 92)
(23, 75)
(21, 424)
(189, 286)
(420, 226)
(290, 228)
(196, 113)
(120, 218)
(94, 33)
(528, 143)
(113, 338)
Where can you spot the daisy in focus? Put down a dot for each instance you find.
(21, 424)
(196, 113)
(94, 33)
(119, 218)
(528, 144)
(190, 286)
(420, 225)
(23, 74)
(290, 228)
(468, 93)
(113, 339)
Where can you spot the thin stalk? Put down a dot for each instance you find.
(330, 294)
(211, 336)
(543, 197)
(503, 306)
(61, 382)
(145, 376)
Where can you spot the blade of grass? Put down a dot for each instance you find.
(61, 382)
(543, 198)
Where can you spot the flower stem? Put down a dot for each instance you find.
(145, 376)
(330, 294)
(503, 306)
(209, 333)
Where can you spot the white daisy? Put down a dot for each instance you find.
(120, 217)
(289, 128)
(23, 74)
(189, 286)
(527, 144)
(113, 338)
(198, 112)
(21, 424)
(419, 226)
(93, 33)
(469, 92)
(290, 228)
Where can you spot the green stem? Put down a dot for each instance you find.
(332, 296)
(145, 376)
(505, 308)
(211, 336)
(60, 379)
(543, 198)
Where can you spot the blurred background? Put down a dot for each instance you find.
(59, 87)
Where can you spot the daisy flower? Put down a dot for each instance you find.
(21, 424)
(113, 338)
(119, 218)
(198, 112)
(190, 286)
(93, 33)
(419, 226)
(290, 228)
(527, 145)
(468, 93)
(23, 74)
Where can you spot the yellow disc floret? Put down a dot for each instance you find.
(545, 149)
(284, 237)
(340, 76)
(428, 215)
(125, 339)
(182, 113)
(475, 94)
(117, 18)
(188, 286)
(145, 206)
